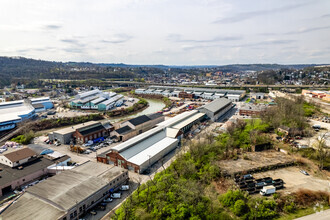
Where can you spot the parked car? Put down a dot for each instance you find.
(93, 212)
(107, 200)
(124, 187)
(261, 184)
(247, 177)
(304, 172)
(116, 195)
(87, 151)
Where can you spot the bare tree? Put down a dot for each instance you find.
(320, 146)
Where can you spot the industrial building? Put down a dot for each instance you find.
(23, 166)
(137, 126)
(143, 150)
(15, 112)
(69, 194)
(217, 108)
(18, 157)
(247, 109)
(206, 93)
(97, 100)
(82, 133)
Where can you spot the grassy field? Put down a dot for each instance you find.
(300, 213)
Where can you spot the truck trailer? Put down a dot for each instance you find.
(267, 190)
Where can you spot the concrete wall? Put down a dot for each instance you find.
(62, 138)
(158, 156)
(5, 161)
(215, 117)
(25, 180)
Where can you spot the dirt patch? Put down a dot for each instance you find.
(223, 185)
(256, 162)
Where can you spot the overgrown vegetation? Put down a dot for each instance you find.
(286, 113)
(167, 102)
(185, 190)
(243, 134)
(24, 138)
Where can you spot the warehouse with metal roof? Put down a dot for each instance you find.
(147, 148)
(69, 194)
(217, 108)
(96, 100)
(14, 112)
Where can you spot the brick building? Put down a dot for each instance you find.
(251, 110)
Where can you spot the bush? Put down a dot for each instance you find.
(306, 197)
(289, 208)
(24, 138)
(263, 209)
(240, 208)
(230, 197)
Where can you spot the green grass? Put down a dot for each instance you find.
(309, 109)
(300, 213)
(248, 100)
(261, 102)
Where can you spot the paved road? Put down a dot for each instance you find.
(325, 215)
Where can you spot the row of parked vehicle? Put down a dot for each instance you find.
(94, 147)
(103, 204)
(263, 185)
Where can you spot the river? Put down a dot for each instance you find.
(154, 106)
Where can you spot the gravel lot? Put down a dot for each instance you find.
(295, 180)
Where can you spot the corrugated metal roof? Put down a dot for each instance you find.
(111, 100)
(40, 99)
(151, 151)
(121, 147)
(141, 146)
(189, 121)
(85, 94)
(178, 118)
(73, 128)
(216, 105)
(97, 101)
(58, 194)
(199, 89)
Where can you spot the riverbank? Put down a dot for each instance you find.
(162, 98)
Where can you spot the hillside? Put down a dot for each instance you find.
(14, 68)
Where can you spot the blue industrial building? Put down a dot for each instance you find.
(15, 112)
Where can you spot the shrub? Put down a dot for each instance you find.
(306, 197)
(230, 197)
(240, 208)
(263, 209)
(289, 208)
(24, 138)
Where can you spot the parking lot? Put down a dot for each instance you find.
(111, 205)
(294, 179)
(65, 149)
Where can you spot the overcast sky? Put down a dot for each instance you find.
(177, 32)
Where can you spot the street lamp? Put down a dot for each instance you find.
(149, 160)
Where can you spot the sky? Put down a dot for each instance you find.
(170, 32)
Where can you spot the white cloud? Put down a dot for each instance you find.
(166, 31)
